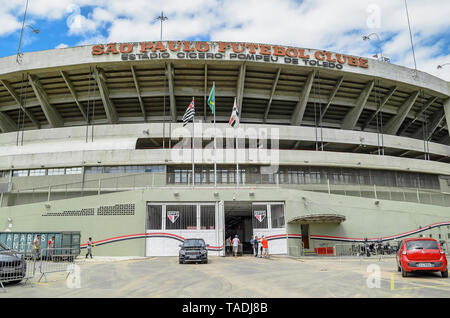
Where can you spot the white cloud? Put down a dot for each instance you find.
(334, 25)
(61, 46)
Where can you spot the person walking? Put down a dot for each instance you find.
(228, 245)
(252, 244)
(37, 247)
(265, 246)
(89, 246)
(236, 242)
(255, 246)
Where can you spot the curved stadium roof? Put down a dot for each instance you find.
(150, 81)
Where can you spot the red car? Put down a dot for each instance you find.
(421, 254)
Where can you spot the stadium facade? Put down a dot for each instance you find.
(332, 148)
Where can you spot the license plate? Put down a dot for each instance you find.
(425, 265)
(192, 257)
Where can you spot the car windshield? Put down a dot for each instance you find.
(194, 243)
(3, 247)
(421, 245)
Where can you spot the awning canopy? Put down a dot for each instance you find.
(318, 218)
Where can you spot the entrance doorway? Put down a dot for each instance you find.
(305, 235)
(238, 221)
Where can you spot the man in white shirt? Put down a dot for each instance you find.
(236, 242)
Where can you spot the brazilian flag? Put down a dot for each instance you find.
(212, 98)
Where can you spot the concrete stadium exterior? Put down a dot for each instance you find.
(333, 148)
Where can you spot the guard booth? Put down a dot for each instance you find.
(169, 224)
(23, 241)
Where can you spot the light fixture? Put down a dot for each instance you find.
(47, 206)
(377, 202)
(176, 194)
(252, 194)
(216, 194)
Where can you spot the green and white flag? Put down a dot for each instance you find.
(212, 98)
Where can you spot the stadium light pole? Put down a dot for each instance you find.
(19, 55)
(442, 65)
(162, 18)
(367, 38)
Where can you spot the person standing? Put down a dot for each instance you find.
(252, 244)
(255, 246)
(89, 246)
(37, 247)
(51, 245)
(265, 246)
(236, 242)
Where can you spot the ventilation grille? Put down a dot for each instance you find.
(82, 212)
(118, 209)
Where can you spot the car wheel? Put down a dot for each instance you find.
(404, 273)
(399, 269)
(205, 262)
(180, 261)
(445, 273)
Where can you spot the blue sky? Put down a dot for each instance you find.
(321, 24)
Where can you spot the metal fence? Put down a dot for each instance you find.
(17, 266)
(99, 186)
(297, 250)
(56, 260)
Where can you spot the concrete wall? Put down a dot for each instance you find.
(363, 217)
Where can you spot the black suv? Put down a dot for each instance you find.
(193, 250)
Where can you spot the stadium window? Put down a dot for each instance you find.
(37, 172)
(20, 173)
(134, 169)
(75, 170)
(55, 171)
(154, 217)
(259, 217)
(114, 169)
(277, 213)
(93, 170)
(181, 217)
(154, 169)
(207, 217)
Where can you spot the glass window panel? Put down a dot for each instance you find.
(277, 213)
(154, 217)
(207, 217)
(20, 173)
(37, 172)
(76, 170)
(56, 171)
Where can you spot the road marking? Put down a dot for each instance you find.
(392, 282)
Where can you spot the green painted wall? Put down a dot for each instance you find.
(363, 217)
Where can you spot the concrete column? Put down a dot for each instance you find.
(447, 113)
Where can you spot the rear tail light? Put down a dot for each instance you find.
(442, 252)
(404, 252)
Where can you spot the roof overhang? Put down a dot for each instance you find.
(318, 218)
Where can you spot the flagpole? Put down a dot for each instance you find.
(215, 156)
(237, 159)
(192, 150)
(237, 150)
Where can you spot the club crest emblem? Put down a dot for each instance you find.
(260, 215)
(173, 215)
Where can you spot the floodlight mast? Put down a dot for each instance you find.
(19, 55)
(367, 38)
(162, 18)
